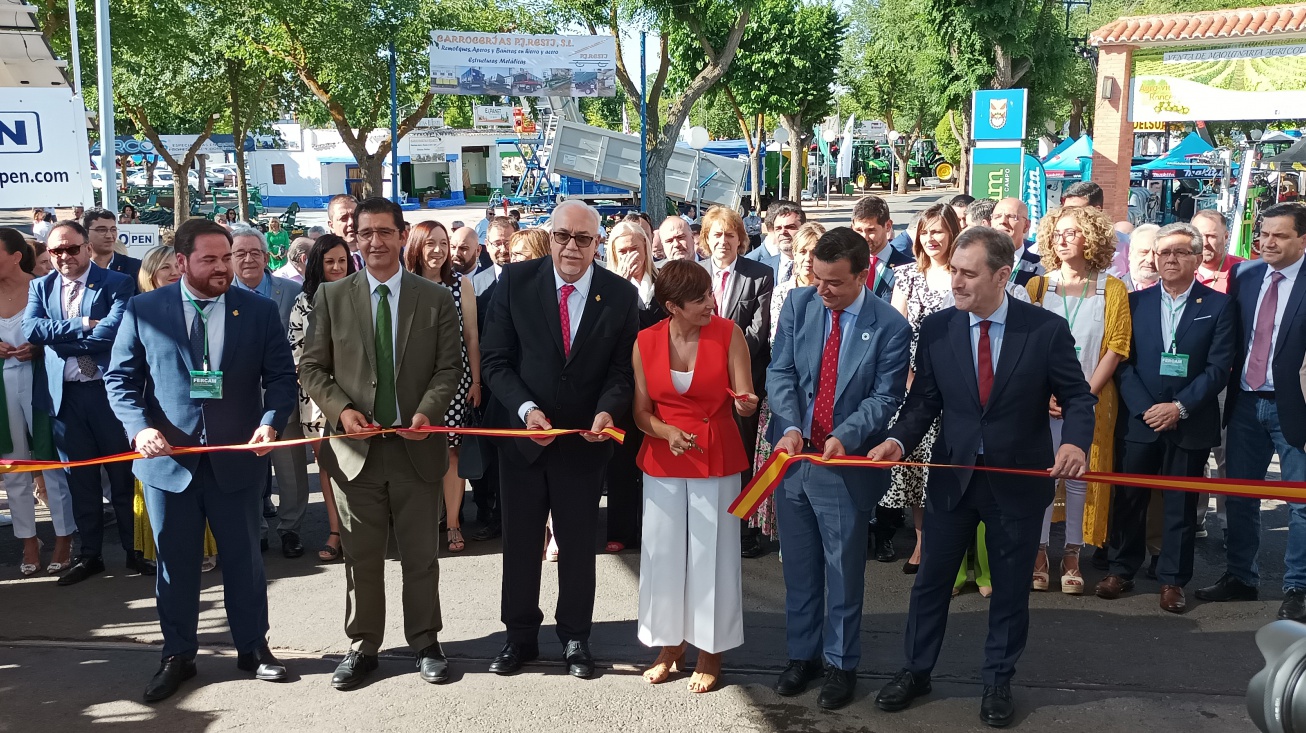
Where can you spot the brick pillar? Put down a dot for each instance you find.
(1113, 133)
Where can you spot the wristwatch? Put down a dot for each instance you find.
(537, 409)
(1183, 411)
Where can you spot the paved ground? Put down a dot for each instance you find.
(78, 658)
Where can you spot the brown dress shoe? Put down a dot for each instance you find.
(1172, 599)
(1112, 587)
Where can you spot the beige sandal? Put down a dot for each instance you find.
(669, 660)
(1041, 578)
(707, 670)
(1072, 583)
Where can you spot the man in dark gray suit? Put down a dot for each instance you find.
(496, 244)
(249, 254)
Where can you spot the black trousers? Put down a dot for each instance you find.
(626, 489)
(571, 489)
(1127, 539)
(86, 428)
(946, 536)
(485, 490)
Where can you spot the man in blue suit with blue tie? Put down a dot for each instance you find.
(201, 363)
(74, 313)
(987, 369)
(838, 373)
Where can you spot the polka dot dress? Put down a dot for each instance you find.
(456, 415)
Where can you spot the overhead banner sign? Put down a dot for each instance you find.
(523, 65)
(43, 143)
(177, 145)
(1265, 80)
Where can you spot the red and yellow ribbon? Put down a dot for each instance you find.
(29, 466)
(767, 479)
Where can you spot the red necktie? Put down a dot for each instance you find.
(564, 315)
(1258, 363)
(823, 408)
(721, 295)
(875, 262)
(985, 359)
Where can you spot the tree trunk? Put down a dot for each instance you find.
(242, 180)
(793, 124)
(1076, 126)
(202, 160)
(656, 194)
(180, 195)
(958, 123)
(149, 171)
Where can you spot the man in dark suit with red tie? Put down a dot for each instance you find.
(556, 353)
(988, 368)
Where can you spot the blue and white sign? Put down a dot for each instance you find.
(43, 141)
(998, 114)
(1035, 191)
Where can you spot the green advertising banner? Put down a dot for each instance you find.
(995, 172)
(1251, 81)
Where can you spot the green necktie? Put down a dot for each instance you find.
(385, 361)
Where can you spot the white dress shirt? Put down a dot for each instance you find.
(1290, 274)
(997, 328)
(847, 324)
(70, 371)
(716, 281)
(393, 298)
(215, 324)
(575, 310)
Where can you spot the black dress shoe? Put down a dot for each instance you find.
(753, 546)
(837, 690)
(794, 679)
(291, 547)
(580, 663)
(353, 669)
(997, 709)
(85, 567)
(171, 674)
(138, 564)
(432, 664)
(492, 531)
(512, 656)
(269, 509)
(1150, 571)
(1293, 607)
(901, 690)
(263, 664)
(1227, 588)
(884, 551)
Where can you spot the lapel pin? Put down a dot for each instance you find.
(90, 285)
(1199, 301)
(235, 313)
(597, 298)
(866, 336)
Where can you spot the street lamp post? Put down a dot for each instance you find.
(893, 156)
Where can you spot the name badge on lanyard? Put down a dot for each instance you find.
(1173, 364)
(204, 383)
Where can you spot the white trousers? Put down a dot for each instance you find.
(18, 486)
(1076, 498)
(689, 567)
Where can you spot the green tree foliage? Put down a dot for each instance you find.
(894, 65)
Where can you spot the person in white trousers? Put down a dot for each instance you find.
(686, 369)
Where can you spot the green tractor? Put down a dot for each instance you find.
(870, 164)
(926, 161)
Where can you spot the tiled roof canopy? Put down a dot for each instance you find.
(1242, 24)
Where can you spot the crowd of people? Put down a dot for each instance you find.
(968, 342)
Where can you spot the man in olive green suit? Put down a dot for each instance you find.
(384, 348)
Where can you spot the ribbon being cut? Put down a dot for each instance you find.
(28, 466)
(767, 479)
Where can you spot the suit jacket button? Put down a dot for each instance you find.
(563, 378)
(704, 419)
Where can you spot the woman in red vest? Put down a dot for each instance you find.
(686, 366)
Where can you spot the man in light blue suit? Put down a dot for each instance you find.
(201, 363)
(838, 374)
(74, 314)
(783, 220)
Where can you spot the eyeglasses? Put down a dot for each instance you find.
(105, 230)
(370, 234)
(1067, 235)
(1162, 254)
(71, 250)
(582, 240)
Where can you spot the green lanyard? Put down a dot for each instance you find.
(1066, 308)
(204, 320)
(1174, 314)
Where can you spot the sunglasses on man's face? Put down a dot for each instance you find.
(69, 251)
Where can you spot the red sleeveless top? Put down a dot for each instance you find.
(706, 411)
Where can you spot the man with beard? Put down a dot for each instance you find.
(497, 242)
(871, 220)
(1217, 264)
(464, 251)
(176, 380)
(677, 240)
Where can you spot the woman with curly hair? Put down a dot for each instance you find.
(1078, 244)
